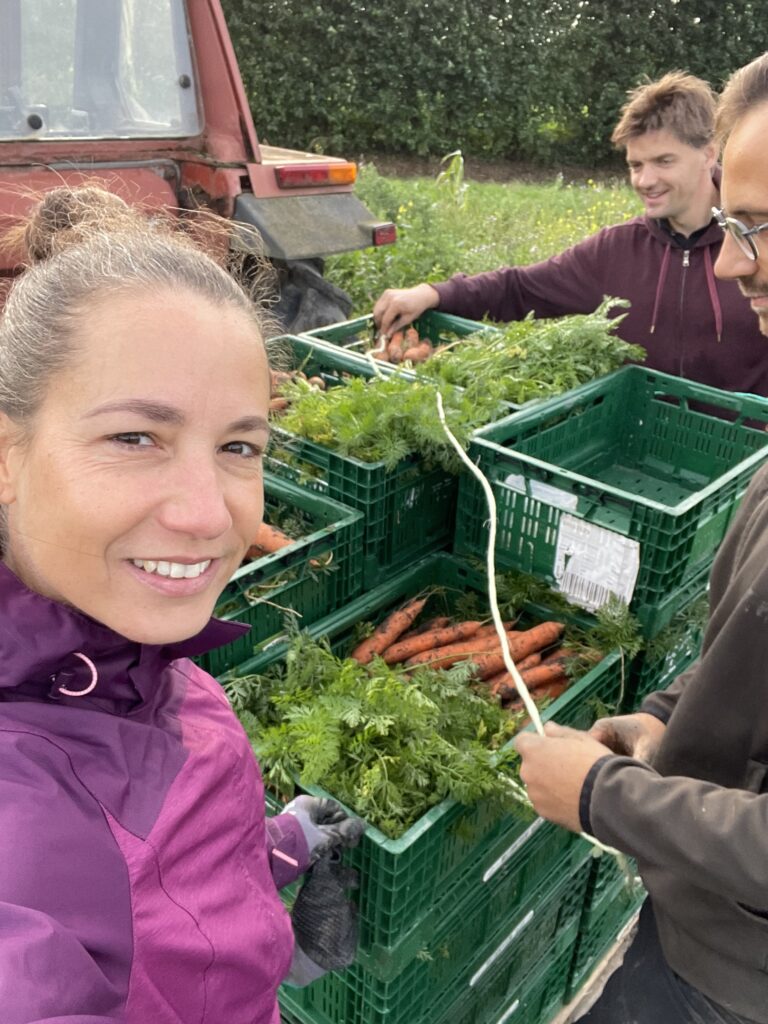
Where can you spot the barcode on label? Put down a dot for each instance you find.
(587, 593)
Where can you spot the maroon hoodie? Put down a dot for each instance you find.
(690, 324)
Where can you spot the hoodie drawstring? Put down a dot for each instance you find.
(660, 286)
(90, 686)
(714, 298)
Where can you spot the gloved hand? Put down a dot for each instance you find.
(324, 922)
(325, 824)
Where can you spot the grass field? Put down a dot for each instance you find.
(447, 224)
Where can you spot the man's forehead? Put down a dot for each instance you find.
(654, 144)
(745, 164)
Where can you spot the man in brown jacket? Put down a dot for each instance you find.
(682, 785)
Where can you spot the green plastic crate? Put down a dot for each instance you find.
(535, 1000)
(260, 592)
(670, 654)
(408, 511)
(359, 335)
(634, 453)
(473, 951)
(451, 850)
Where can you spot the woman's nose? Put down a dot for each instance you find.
(195, 501)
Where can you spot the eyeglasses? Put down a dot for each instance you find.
(740, 233)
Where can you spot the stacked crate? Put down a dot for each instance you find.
(457, 915)
(637, 472)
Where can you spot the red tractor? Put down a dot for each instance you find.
(146, 96)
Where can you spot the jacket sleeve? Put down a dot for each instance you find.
(65, 916)
(566, 283)
(693, 828)
(287, 848)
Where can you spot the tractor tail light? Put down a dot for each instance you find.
(315, 175)
(384, 234)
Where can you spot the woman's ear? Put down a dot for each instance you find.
(9, 459)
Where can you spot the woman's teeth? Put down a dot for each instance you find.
(176, 570)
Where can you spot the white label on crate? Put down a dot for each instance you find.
(512, 849)
(521, 926)
(592, 563)
(543, 492)
(508, 1013)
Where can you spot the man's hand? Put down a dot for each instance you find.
(398, 307)
(635, 735)
(554, 769)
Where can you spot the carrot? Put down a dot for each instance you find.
(552, 690)
(277, 379)
(379, 351)
(388, 631)
(278, 404)
(541, 674)
(268, 540)
(439, 622)
(418, 353)
(449, 654)
(317, 382)
(429, 640)
(412, 337)
(395, 347)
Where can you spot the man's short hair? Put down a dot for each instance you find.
(745, 89)
(678, 103)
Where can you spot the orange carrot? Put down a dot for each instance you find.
(318, 382)
(277, 380)
(439, 622)
(388, 631)
(268, 540)
(418, 353)
(429, 640)
(278, 404)
(379, 351)
(412, 337)
(444, 657)
(395, 347)
(541, 674)
(552, 690)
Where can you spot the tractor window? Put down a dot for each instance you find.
(96, 69)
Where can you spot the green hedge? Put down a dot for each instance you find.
(515, 79)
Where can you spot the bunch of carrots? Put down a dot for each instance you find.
(403, 346)
(439, 643)
(279, 378)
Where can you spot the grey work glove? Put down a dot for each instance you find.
(325, 824)
(324, 922)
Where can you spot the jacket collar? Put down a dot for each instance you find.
(46, 646)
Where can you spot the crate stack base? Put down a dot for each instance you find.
(637, 465)
(408, 511)
(470, 969)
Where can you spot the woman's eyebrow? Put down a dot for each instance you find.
(156, 411)
(159, 412)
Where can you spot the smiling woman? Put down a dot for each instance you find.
(134, 389)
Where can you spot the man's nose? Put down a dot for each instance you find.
(732, 262)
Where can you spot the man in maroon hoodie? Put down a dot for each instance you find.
(690, 324)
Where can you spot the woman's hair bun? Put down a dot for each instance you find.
(68, 216)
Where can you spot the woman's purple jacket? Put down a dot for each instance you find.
(138, 876)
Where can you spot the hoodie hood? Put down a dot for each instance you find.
(49, 651)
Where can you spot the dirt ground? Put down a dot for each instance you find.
(486, 170)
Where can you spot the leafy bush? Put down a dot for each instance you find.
(531, 81)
